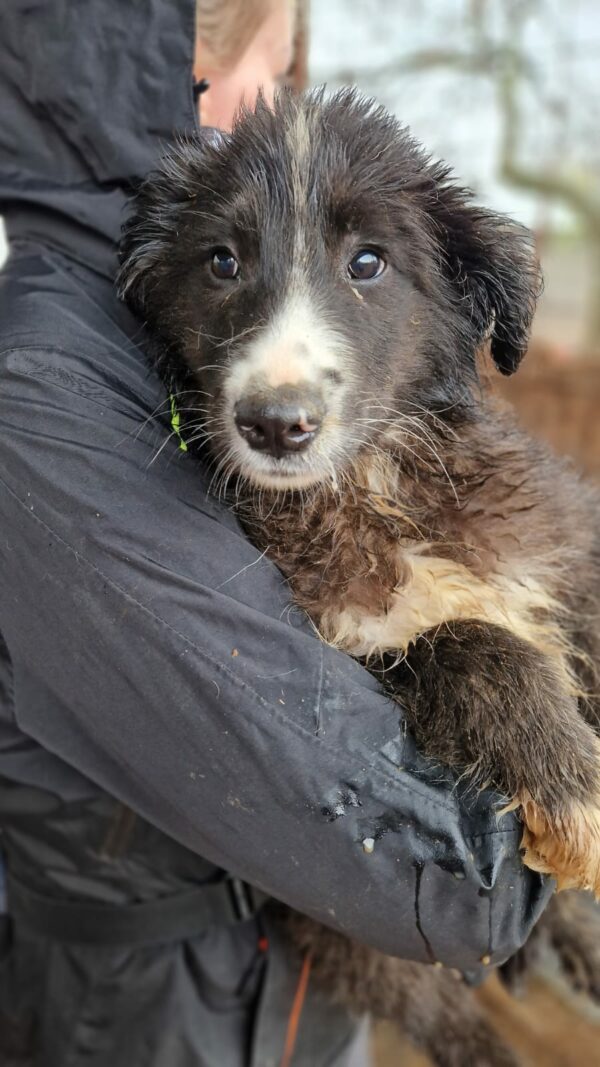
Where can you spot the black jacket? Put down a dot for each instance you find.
(149, 657)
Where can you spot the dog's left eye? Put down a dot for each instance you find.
(365, 265)
(224, 264)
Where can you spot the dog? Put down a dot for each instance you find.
(320, 292)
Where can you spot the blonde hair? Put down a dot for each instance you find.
(226, 27)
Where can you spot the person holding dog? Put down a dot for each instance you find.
(176, 749)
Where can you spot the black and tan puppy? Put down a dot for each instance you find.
(320, 290)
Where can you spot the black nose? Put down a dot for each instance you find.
(276, 428)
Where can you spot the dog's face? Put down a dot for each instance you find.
(314, 278)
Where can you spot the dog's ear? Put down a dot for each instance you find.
(152, 227)
(492, 261)
(157, 209)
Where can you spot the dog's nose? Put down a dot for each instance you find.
(276, 428)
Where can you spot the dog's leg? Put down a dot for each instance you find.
(434, 1008)
(573, 928)
(482, 699)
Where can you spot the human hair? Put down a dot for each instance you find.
(226, 27)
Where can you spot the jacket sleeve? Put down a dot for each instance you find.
(176, 675)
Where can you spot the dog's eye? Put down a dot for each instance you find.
(224, 264)
(365, 265)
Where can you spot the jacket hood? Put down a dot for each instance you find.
(92, 93)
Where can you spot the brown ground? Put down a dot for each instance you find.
(559, 399)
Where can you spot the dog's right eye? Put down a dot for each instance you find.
(224, 265)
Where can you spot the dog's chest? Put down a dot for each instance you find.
(374, 568)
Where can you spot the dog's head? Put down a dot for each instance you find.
(313, 276)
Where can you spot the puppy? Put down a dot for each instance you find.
(319, 290)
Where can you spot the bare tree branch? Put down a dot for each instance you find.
(484, 62)
(578, 191)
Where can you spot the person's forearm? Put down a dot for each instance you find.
(335, 829)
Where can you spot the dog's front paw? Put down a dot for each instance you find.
(566, 846)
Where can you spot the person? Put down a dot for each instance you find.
(241, 47)
(176, 744)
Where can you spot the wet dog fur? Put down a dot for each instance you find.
(315, 271)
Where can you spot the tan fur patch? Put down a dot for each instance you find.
(433, 591)
(437, 591)
(568, 848)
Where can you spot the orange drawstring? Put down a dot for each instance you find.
(296, 1012)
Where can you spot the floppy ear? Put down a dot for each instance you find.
(493, 263)
(155, 215)
(152, 227)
